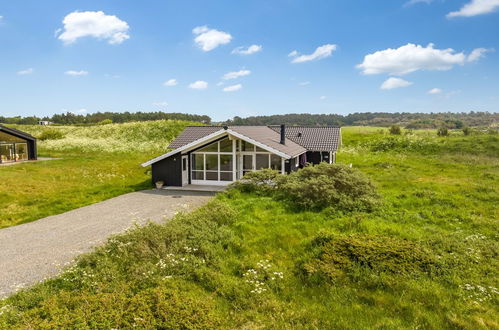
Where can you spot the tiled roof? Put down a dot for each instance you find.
(268, 137)
(298, 138)
(16, 132)
(319, 138)
(191, 134)
(261, 134)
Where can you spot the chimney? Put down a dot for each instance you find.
(283, 134)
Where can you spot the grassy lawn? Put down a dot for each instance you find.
(426, 258)
(96, 163)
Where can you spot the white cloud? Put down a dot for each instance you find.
(323, 97)
(209, 39)
(170, 82)
(233, 88)
(434, 91)
(393, 82)
(411, 57)
(319, 53)
(247, 51)
(76, 73)
(25, 72)
(477, 54)
(1, 18)
(474, 8)
(160, 104)
(94, 24)
(200, 84)
(304, 83)
(236, 74)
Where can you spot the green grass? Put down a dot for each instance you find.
(96, 163)
(438, 218)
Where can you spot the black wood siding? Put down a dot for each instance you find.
(168, 170)
(290, 165)
(32, 152)
(314, 157)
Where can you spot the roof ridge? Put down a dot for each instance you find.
(14, 130)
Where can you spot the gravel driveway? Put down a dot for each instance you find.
(37, 250)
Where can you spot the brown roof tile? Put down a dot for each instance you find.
(319, 138)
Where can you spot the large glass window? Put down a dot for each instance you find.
(21, 151)
(7, 152)
(247, 163)
(262, 161)
(211, 162)
(226, 145)
(246, 146)
(198, 162)
(275, 162)
(226, 163)
(212, 166)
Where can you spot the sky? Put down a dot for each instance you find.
(248, 58)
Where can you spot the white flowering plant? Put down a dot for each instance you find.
(263, 277)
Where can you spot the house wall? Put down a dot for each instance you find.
(290, 165)
(168, 170)
(315, 157)
(32, 152)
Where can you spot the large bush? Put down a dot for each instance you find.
(51, 134)
(315, 187)
(395, 130)
(342, 256)
(329, 185)
(263, 181)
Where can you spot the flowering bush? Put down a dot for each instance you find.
(262, 277)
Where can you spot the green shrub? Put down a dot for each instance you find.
(263, 181)
(401, 144)
(105, 122)
(328, 185)
(443, 131)
(395, 130)
(466, 131)
(342, 256)
(162, 307)
(51, 134)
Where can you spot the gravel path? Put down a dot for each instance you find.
(37, 250)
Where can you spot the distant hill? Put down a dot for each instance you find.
(408, 120)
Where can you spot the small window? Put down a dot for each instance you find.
(226, 145)
(262, 161)
(210, 148)
(184, 164)
(258, 149)
(246, 146)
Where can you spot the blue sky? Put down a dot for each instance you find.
(350, 56)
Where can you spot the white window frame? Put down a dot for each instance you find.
(204, 170)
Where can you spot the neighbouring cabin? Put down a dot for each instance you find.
(16, 146)
(214, 155)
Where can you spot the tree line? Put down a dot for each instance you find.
(384, 119)
(416, 120)
(70, 118)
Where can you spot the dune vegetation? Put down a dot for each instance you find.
(424, 254)
(93, 163)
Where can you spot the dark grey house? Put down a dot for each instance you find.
(214, 155)
(16, 145)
